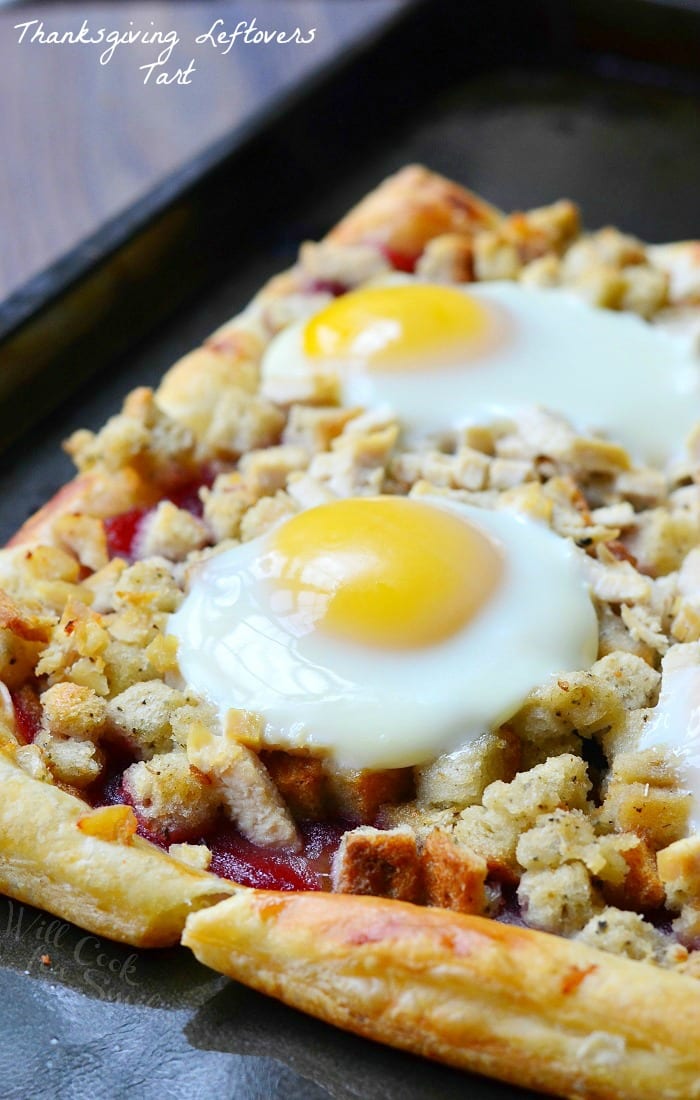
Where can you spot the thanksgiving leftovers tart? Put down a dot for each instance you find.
(363, 655)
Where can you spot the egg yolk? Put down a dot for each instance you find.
(398, 326)
(384, 571)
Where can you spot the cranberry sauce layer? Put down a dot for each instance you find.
(234, 857)
(400, 261)
(123, 529)
(27, 708)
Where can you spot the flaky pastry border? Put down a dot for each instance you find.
(516, 1004)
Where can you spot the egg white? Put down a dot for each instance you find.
(674, 725)
(607, 373)
(377, 708)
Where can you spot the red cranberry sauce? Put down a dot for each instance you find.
(234, 857)
(108, 789)
(237, 859)
(400, 261)
(27, 713)
(186, 495)
(326, 286)
(123, 530)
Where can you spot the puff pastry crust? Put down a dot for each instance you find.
(516, 1004)
(95, 493)
(522, 1006)
(122, 888)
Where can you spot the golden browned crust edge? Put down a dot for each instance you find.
(131, 892)
(526, 1007)
(96, 493)
(410, 208)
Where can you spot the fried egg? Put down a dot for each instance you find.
(386, 630)
(444, 357)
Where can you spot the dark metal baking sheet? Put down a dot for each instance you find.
(617, 134)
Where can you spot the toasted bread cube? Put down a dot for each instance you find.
(247, 793)
(266, 472)
(85, 537)
(420, 819)
(679, 870)
(74, 762)
(70, 710)
(560, 837)
(687, 925)
(348, 264)
(561, 781)
(459, 779)
(654, 767)
(642, 888)
(453, 875)
(32, 761)
(657, 815)
(315, 429)
(635, 683)
(494, 836)
(559, 900)
(623, 933)
(142, 716)
(171, 533)
(301, 781)
(578, 701)
(172, 797)
(384, 864)
(448, 258)
(268, 511)
(358, 795)
(247, 727)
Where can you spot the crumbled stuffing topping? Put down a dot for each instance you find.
(557, 808)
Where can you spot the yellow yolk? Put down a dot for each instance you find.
(398, 326)
(385, 572)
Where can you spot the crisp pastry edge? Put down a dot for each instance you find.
(523, 1006)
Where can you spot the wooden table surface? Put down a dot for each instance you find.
(81, 139)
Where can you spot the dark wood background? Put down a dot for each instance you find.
(79, 141)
